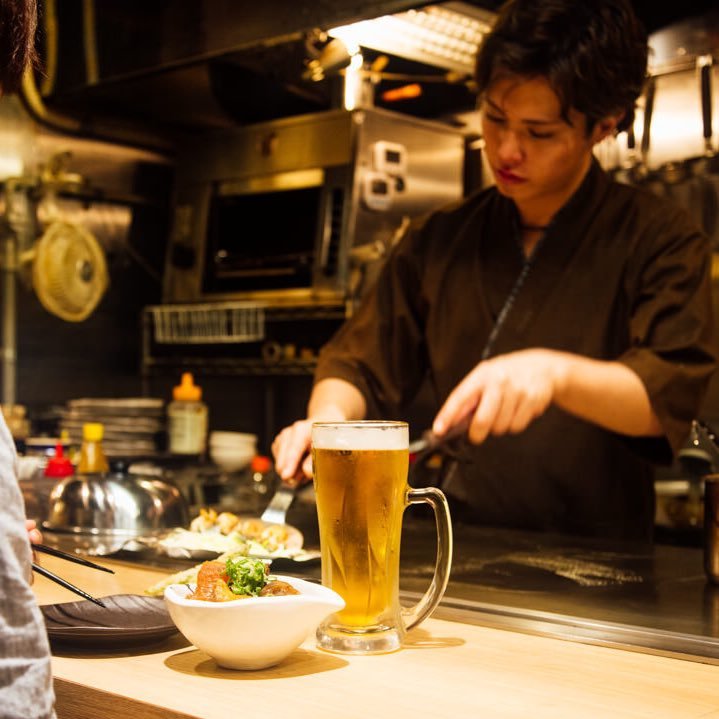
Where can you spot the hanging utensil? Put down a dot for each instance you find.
(690, 182)
(623, 173)
(640, 172)
(708, 166)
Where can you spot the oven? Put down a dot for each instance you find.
(280, 212)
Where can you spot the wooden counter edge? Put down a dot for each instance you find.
(79, 701)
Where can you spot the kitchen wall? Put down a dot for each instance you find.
(122, 197)
(126, 206)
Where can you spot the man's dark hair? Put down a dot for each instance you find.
(18, 22)
(592, 52)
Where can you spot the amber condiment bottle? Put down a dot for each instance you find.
(92, 455)
(187, 418)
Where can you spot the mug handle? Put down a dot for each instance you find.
(412, 616)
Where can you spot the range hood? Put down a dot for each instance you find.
(182, 65)
(188, 65)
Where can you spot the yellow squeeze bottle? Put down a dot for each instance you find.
(92, 455)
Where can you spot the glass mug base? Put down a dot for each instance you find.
(367, 640)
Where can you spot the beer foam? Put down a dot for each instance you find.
(360, 435)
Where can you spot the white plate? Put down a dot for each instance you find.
(180, 543)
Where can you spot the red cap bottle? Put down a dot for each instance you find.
(260, 463)
(59, 466)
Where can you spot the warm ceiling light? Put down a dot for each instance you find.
(446, 35)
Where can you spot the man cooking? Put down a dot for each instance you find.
(564, 319)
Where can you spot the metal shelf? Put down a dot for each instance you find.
(231, 367)
(198, 337)
(306, 312)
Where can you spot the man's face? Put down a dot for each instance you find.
(536, 156)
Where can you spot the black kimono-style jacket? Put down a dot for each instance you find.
(619, 275)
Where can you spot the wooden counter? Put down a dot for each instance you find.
(447, 669)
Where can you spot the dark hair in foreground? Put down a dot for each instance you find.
(18, 22)
(592, 52)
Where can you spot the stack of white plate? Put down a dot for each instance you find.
(133, 425)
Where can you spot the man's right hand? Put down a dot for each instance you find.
(291, 449)
(332, 400)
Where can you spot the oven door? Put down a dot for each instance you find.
(262, 232)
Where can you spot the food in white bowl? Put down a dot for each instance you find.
(234, 616)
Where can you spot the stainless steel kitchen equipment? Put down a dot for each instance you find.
(273, 211)
(100, 513)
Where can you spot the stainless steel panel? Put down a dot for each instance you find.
(433, 176)
(297, 143)
(336, 150)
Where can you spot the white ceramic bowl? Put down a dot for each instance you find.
(232, 459)
(252, 633)
(232, 451)
(232, 439)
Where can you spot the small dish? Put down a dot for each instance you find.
(253, 632)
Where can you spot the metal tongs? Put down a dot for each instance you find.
(62, 582)
(276, 510)
(448, 443)
(451, 447)
(278, 506)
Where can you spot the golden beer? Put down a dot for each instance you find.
(360, 475)
(360, 502)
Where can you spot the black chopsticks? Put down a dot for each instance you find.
(59, 580)
(70, 557)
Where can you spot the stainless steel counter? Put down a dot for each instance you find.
(645, 598)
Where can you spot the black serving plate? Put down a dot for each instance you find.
(127, 619)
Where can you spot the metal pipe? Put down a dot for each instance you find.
(9, 319)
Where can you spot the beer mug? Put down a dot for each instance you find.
(360, 478)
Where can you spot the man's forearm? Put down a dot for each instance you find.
(609, 394)
(335, 399)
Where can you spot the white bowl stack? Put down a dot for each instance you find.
(232, 451)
